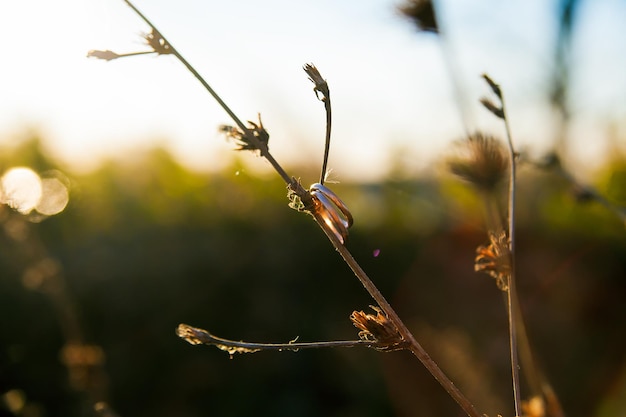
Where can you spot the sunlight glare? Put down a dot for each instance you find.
(21, 189)
(24, 190)
(54, 197)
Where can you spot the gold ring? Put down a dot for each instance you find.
(327, 209)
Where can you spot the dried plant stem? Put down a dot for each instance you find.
(329, 119)
(511, 292)
(512, 300)
(412, 344)
(260, 146)
(202, 336)
(197, 336)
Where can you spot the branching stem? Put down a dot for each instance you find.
(512, 299)
(413, 344)
(371, 288)
(195, 336)
(258, 144)
(329, 119)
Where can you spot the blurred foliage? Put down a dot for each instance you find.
(147, 244)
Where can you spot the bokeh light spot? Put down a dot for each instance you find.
(21, 189)
(54, 197)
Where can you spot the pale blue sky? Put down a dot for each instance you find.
(390, 90)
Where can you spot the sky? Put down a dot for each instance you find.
(392, 95)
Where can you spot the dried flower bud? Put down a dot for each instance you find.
(157, 42)
(482, 161)
(422, 13)
(242, 138)
(495, 259)
(106, 55)
(494, 87)
(497, 111)
(378, 329)
(321, 86)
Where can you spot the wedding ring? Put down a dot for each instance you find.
(328, 204)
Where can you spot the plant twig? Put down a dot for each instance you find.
(308, 204)
(412, 344)
(259, 145)
(512, 301)
(321, 87)
(197, 336)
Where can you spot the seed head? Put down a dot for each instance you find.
(482, 161)
(377, 328)
(495, 259)
(422, 13)
(157, 42)
(242, 138)
(321, 86)
(107, 55)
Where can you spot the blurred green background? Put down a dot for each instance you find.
(144, 245)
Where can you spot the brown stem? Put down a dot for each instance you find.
(196, 335)
(257, 143)
(513, 310)
(413, 344)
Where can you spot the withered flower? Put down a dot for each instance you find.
(378, 329)
(242, 138)
(321, 86)
(482, 161)
(422, 13)
(107, 55)
(494, 86)
(157, 42)
(498, 111)
(495, 259)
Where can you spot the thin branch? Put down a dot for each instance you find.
(260, 146)
(512, 301)
(308, 204)
(412, 344)
(512, 292)
(197, 336)
(321, 87)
